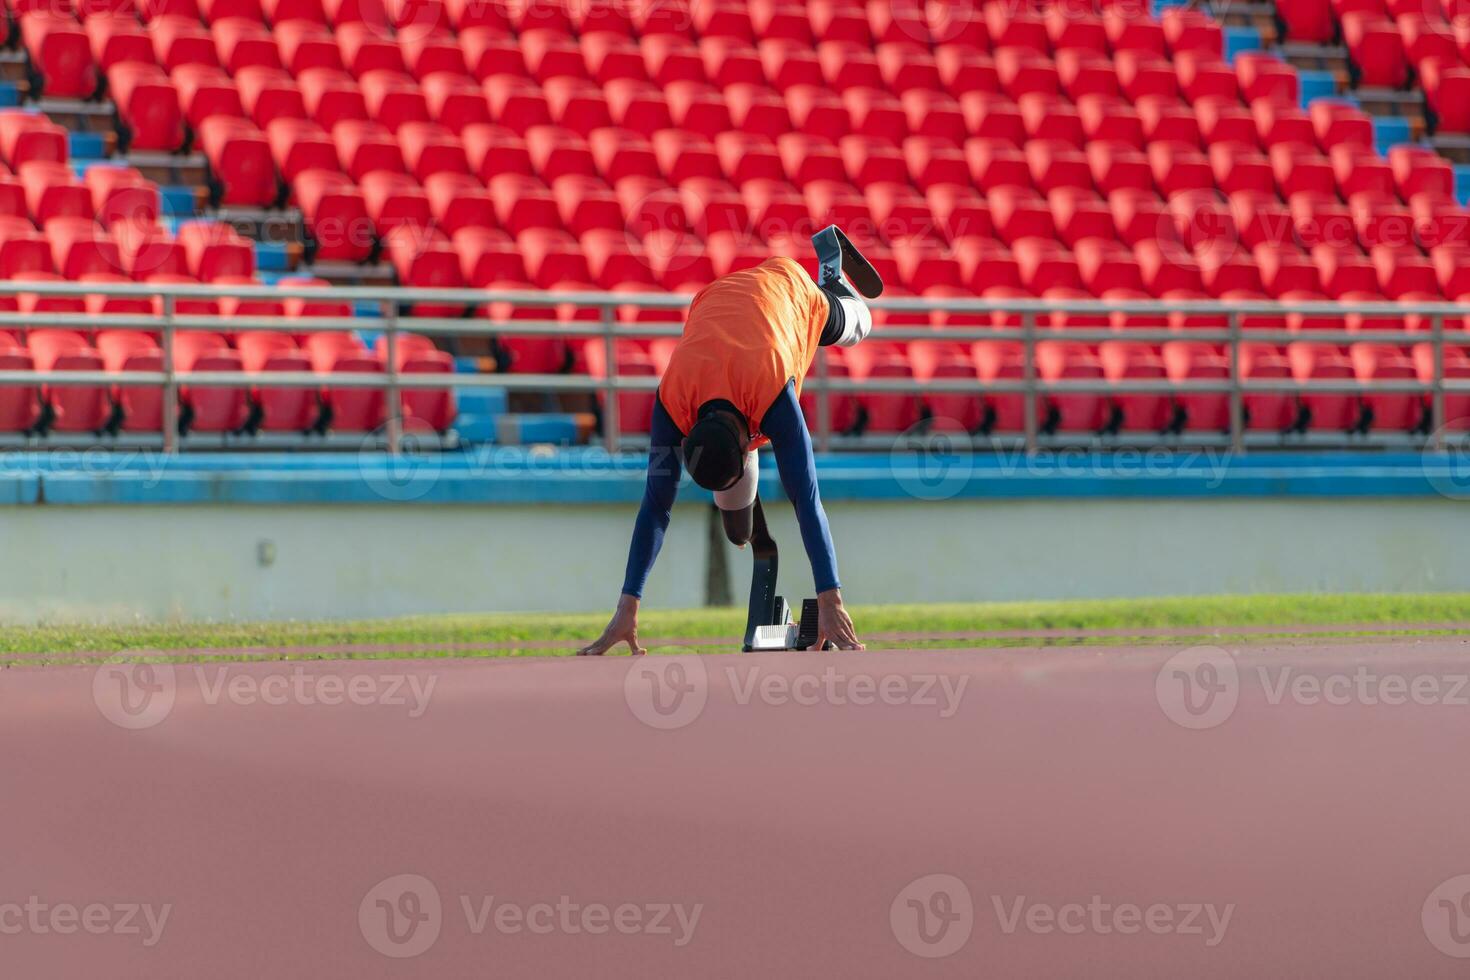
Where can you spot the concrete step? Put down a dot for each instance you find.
(351, 274)
(1261, 16)
(1453, 146)
(184, 169)
(1318, 57)
(1390, 102)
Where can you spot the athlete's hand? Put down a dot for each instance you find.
(622, 629)
(834, 624)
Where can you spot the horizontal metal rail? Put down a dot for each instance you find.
(1025, 323)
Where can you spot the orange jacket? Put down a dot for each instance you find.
(747, 335)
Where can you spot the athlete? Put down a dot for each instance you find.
(733, 384)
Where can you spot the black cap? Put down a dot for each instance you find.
(714, 450)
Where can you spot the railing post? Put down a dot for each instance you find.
(1436, 399)
(1028, 371)
(824, 402)
(611, 422)
(392, 403)
(170, 386)
(1237, 397)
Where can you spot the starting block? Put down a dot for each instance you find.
(768, 624)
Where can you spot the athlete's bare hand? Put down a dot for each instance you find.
(834, 624)
(622, 629)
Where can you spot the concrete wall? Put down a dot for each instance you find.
(205, 561)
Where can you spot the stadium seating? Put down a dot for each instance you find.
(1038, 151)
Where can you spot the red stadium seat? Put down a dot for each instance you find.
(1186, 361)
(425, 259)
(1267, 411)
(1022, 71)
(488, 255)
(180, 40)
(27, 136)
(209, 409)
(303, 44)
(1129, 28)
(331, 97)
(117, 38)
(1326, 411)
(458, 201)
(364, 147)
(429, 149)
(340, 352)
(298, 145)
(1046, 116)
(393, 200)
(122, 194)
(1177, 167)
(611, 56)
(214, 250)
(1187, 29)
(20, 406)
(366, 49)
(1085, 73)
(148, 105)
(1264, 76)
(1279, 123)
(1376, 48)
(1456, 364)
(1419, 170)
(431, 407)
(204, 91)
(1020, 214)
(53, 191)
(335, 215)
(1301, 170)
(1339, 122)
(281, 409)
(1167, 120)
(147, 249)
(1142, 74)
(1203, 75)
(269, 93)
(239, 161)
(61, 54)
(1066, 361)
(132, 350)
(1135, 411)
(1239, 169)
(243, 43)
(963, 70)
(79, 247)
(393, 98)
(70, 408)
(429, 52)
(454, 101)
(1167, 268)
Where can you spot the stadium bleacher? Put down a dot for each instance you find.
(1064, 150)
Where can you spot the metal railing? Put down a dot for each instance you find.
(394, 317)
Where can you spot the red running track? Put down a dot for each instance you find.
(1029, 813)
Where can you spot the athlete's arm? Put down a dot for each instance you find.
(662, 486)
(792, 443)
